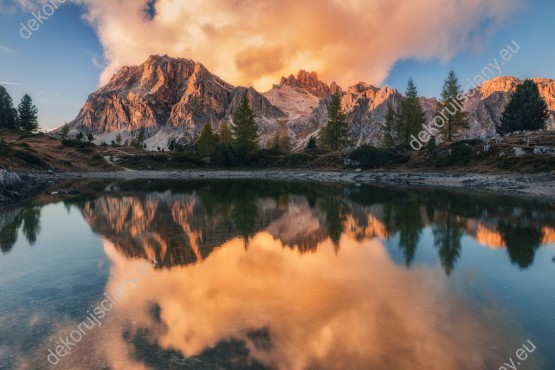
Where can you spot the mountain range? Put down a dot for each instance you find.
(173, 98)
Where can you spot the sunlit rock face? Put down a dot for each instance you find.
(174, 98)
(487, 102)
(185, 227)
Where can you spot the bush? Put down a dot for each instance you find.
(298, 159)
(459, 153)
(224, 155)
(73, 143)
(368, 157)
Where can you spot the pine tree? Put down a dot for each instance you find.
(8, 114)
(64, 133)
(118, 139)
(390, 119)
(411, 118)
(225, 135)
(28, 118)
(207, 140)
(527, 110)
(335, 135)
(311, 146)
(451, 107)
(140, 139)
(245, 129)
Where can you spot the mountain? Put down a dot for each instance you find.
(174, 98)
(488, 101)
(171, 98)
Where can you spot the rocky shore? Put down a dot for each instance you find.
(15, 187)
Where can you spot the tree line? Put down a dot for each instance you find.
(22, 118)
(526, 111)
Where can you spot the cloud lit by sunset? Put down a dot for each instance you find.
(256, 42)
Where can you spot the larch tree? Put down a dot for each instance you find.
(451, 107)
(245, 129)
(225, 135)
(388, 140)
(207, 140)
(335, 135)
(411, 117)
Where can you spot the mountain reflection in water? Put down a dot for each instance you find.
(292, 276)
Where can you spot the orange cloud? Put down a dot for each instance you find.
(254, 42)
(356, 309)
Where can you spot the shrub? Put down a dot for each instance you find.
(298, 159)
(459, 153)
(369, 157)
(74, 143)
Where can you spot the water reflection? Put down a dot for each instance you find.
(25, 219)
(184, 227)
(294, 276)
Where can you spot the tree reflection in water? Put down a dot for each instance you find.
(182, 222)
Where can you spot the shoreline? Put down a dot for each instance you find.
(537, 186)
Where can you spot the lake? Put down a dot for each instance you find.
(276, 275)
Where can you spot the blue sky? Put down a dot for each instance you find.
(61, 63)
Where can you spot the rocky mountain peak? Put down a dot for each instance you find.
(309, 81)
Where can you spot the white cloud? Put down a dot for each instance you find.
(11, 83)
(7, 50)
(257, 41)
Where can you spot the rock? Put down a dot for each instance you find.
(174, 98)
(519, 152)
(309, 82)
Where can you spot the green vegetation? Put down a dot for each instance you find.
(388, 140)
(527, 110)
(368, 157)
(8, 114)
(451, 108)
(411, 117)
(311, 146)
(245, 129)
(139, 140)
(225, 135)
(28, 115)
(207, 141)
(64, 132)
(24, 118)
(335, 135)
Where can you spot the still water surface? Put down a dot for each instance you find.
(288, 276)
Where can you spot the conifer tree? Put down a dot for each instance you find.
(28, 118)
(64, 133)
(140, 139)
(390, 119)
(451, 107)
(225, 135)
(8, 114)
(207, 140)
(526, 111)
(311, 146)
(411, 118)
(245, 129)
(335, 135)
